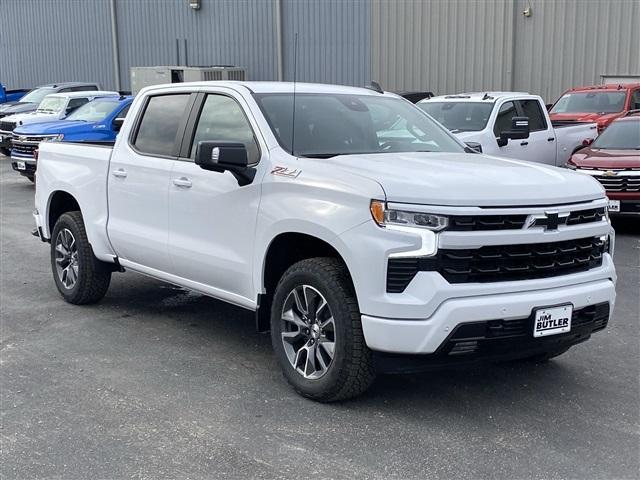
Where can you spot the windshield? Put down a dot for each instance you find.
(51, 105)
(459, 116)
(624, 135)
(36, 96)
(591, 102)
(328, 124)
(94, 111)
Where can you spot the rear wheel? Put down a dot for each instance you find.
(316, 332)
(80, 277)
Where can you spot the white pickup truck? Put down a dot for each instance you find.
(509, 124)
(363, 234)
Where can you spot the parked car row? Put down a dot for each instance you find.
(88, 117)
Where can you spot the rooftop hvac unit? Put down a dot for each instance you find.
(144, 76)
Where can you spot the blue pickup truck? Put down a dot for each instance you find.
(11, 96)
(93, 122)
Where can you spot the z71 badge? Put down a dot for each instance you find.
(286, 172)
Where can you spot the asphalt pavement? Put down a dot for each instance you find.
(158, 382)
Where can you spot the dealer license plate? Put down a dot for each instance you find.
(552, 320)
(614, 205)
(21, 165)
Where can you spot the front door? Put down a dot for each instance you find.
(138, 182)
(212, 219)
(541, 144)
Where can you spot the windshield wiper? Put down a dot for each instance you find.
(320, 155)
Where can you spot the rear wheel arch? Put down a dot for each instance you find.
(60, 203)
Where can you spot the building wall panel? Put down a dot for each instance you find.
(445, 46)
(333, 40)
(574, 42)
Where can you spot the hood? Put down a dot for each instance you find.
(57, 126)
(17, 107)
(31, 117)
(5, 105)
(602, 118)
(604, 158)
(465, 179)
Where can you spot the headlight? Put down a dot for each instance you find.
(387, 217)
(53, 138)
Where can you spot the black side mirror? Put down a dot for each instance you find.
(519, 130)
(117, 123)
(473, 147)
(226, 156)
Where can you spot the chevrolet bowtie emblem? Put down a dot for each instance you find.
(610, 173)
(550, 220)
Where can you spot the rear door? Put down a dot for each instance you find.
(212, 219)
(540, 146)
(139, 181)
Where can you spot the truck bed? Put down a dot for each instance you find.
(81, 169)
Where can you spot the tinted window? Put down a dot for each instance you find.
(459, 116)
(635, 100)
(124, 111)
(222, 119)
(159, 125)
(340, 124)
(503, 120)
(591, 102)
(531, 109)
(36, 96)
(620, 135)
(94, 111)
(84, 88)
(74, 103)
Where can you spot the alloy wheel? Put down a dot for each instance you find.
(66, 258)
(308, 331)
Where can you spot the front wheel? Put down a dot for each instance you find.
(80, 277)
(316, 332)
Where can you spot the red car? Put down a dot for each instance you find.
(601, 104)
(614, 160)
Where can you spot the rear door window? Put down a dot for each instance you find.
(531, 109)
(158, 127)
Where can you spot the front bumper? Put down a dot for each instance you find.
(29, 166)
(5, 139)
(427, 335)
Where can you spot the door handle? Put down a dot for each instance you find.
(551, 139)
(183, 182)
(120, 173)
(524, 143)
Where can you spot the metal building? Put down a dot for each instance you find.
(446, 46)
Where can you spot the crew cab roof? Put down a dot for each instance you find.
(67, 84)
(278, 87)
(488, 97)
(607, 86)
(84, 94)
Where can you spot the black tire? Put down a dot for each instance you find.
(5, 151)
(545, 356)
(31, 178)
(351, 370)
(93, 276)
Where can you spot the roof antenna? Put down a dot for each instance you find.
(293, 116)
(375, 86)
